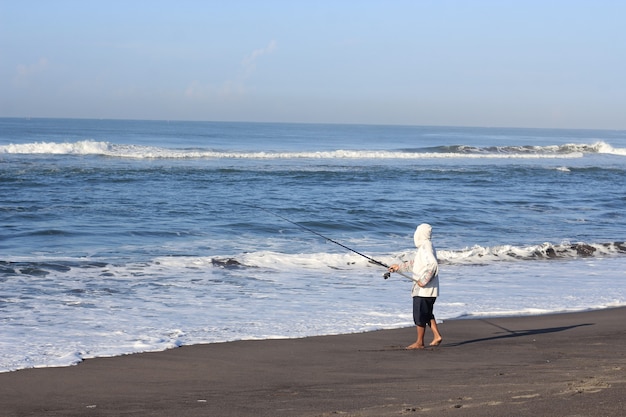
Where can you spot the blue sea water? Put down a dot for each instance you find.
(129, 236)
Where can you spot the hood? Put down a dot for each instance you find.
(422, 234)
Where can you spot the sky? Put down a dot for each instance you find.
(498, 63)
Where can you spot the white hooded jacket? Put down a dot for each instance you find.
(425, 265)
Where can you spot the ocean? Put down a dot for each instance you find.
(123, 236)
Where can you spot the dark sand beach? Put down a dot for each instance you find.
(553, 365)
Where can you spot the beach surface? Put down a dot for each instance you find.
(570, 364)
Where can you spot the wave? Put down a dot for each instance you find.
(89, 147)
(567, 149)
(43, 268)
(565, 250)
(476, 255)
(269, 260)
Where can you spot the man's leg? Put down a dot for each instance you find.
(419, 344)
(436, 335)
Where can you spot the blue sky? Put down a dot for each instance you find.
(528, 63)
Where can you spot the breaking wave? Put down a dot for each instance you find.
(88, 147)
(476, 255)
(565, 250)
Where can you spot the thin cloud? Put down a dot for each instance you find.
(196, 90)
(25, 72)
(249, 62)
(232, 88)
(248, 67)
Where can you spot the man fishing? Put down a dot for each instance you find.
(425, 277)
(425, 289)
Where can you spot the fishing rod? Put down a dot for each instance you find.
(372, 260)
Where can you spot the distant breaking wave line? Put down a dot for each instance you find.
(571, 148)
(89, 147)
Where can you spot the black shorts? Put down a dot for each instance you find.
(423, 310)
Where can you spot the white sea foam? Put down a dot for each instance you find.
(88, 147)
(113, 309)
(602, 147)
(85, 147)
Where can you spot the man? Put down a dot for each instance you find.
(425, 289)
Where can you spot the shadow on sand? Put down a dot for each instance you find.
(507, 333)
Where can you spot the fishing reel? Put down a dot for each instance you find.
(386, 275)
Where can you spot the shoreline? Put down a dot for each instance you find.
(439, 321)
(554, 364)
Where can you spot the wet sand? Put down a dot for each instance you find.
(570, 364)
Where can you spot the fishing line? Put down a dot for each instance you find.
(372, 260)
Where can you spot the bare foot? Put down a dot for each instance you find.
(436, 342)
(415, 346)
